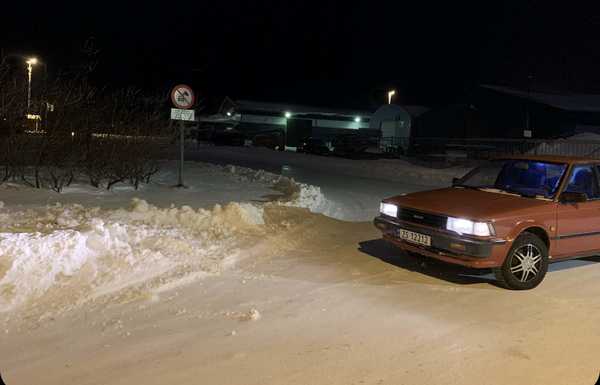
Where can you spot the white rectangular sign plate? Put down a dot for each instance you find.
(179, 114)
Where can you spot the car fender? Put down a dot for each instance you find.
(522, 225)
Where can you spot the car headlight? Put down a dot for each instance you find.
(466, 226)
(388, 209)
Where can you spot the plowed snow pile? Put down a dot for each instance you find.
(68, 254)
(73, 253)
(294, 194)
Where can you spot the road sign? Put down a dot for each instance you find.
(182, 97)
(179, 114)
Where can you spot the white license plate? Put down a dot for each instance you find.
(413, 237)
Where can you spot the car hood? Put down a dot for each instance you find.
(472, 204)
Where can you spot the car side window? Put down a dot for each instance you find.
(583, 180)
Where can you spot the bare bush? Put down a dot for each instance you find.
(107, 137)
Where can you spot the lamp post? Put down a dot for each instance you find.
(390, 94)
(30, 63)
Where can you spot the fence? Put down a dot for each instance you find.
(485, 148)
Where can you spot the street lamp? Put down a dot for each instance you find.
(390, 94)
(30, 63)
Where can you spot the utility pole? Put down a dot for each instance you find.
(30, 63)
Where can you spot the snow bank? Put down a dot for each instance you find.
(72, 253)
(68, 254)
(294, 194)
(584, 144)
(311, 198)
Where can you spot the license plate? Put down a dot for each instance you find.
(413, 237)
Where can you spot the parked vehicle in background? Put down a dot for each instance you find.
(349, 144)
(313, 146)
(514, 216)
(272, 140)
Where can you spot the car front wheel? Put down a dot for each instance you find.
(525, 265)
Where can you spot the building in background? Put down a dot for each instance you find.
(293, 123)
(395, 124)
(504, 112)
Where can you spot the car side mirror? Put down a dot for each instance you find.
(573, 197)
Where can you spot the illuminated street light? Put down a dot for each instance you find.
(357, 119)
(288, 114)
(30, 63)
(390, 94)
(228, 113)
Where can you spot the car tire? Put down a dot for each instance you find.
(526, 264)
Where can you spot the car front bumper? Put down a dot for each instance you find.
(477, 253)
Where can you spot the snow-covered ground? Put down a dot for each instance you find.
(240, 279)
(88, 242)
(399, 171)
(355, 186)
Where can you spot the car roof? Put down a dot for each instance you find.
(554, 158)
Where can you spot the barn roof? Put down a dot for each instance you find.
(567, 102)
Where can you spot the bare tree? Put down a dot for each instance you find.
(108, 137)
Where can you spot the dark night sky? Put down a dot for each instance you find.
(328, 53)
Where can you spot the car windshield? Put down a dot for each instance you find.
(528, 178)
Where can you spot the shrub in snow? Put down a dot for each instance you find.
(107, 137)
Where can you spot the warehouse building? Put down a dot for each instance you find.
(293, 122)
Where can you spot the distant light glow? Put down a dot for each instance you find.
(357, 119)
(288, 114)
(32, 61)
(390, 94)
(72, 133)
(228, 113)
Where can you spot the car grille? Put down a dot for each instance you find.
(421, 218)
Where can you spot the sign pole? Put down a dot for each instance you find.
(183, 100)
(181, 153)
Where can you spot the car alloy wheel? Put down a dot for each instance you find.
(525, 265)
(526, 262)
